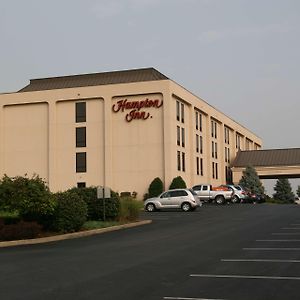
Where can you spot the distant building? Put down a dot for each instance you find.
(118, 129)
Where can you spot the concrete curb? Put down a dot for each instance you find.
(73, 235)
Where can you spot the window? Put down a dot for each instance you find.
(177, 110)
(205, 188)
(178, 136)
(182, 113)
(201, 166)
(183, 161)
(81, 137)
(81, 162)
(81, 184)
(182, 137)
(197, 143)
(215, 123)
(197, 120)
(80, 112)
(178, 161)
(197, 187)
(216, 165)
(225, 154)
(200, 121)
(213, 149)
(214, 129)
(201, 144)
(226, 135)
(213, 170)
(238, 141)
(179, 193)
(197, 165)
(216, 150)
(165, 195)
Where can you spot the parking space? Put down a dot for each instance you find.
(266, 267)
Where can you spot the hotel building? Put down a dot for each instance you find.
(117, 129)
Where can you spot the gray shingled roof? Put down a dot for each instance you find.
(268, 158)
(126, 76)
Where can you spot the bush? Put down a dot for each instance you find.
(30, 197)
(71, 212)
(250, 181)
(130, 210)
(178, 183)
(19, 231)
(156, 187)
(95, 206)
(283, 191)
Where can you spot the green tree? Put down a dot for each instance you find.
(298, 191)
(283, 191)
(178, 183)
(250, 181)
(156, 187)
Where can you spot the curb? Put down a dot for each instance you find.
(73, 235)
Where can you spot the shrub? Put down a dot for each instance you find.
(71, 212)
(21, 230)
(30, 197)
(95, 205)
(283, 191)
(130, 209)
(250, 181)
(178, 183)
(156, 187)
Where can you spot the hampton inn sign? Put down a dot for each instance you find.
(136, 108)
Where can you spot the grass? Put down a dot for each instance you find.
(99, 224)
(7, 214)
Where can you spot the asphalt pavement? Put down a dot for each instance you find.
(245, 252)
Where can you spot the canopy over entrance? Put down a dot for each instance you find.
(269, 164)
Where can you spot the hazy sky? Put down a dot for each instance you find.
(241, 56)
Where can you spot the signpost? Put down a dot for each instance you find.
(103, 193)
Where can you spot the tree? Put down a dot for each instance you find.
(178, 183)
(155, 188)
(283, 190)
(250, 181)
(298, 191)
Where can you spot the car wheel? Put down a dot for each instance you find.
(220, 200)
(186, 206)
(235, 199)
(150, 207)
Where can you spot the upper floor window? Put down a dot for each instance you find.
(80, 115)
(198, 117)
(214, 129)
(182, 137)
(81, 162)
(226, 134)
(238, 141)
(178, 136)
(179, 111)
(81, 137)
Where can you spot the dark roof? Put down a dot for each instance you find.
(126, 76)
(268, 158)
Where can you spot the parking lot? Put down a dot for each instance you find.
(260, 259)
(230, 252)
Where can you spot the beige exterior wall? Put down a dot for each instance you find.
(37, 135)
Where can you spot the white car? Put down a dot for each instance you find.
(297, 200)
(185, 199)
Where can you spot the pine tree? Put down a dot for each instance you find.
(250, 181)
(178, 183)
(155, 188)
(298, 191)
(283, 190)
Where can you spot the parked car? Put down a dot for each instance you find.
(207, 193)
(297, 200)
(186, 199)
(239, 194)
(254, 198)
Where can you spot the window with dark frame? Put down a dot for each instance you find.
(216, 165)
(178, 161)
(183, 161)
(201, 166)
(81, 137)
(81, 184)
(177, 110)
(80, 162)
(197, 120)
(216, 150)
(200, 121)
(213, 170)
(178, 136)
(182, 137)
(182, 113)
(80, 115)
(197, 143)
(197, 165)
(201, 144)
(212, 149)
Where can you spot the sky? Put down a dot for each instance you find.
(241, 56)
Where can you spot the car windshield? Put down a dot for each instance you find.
(238, 187)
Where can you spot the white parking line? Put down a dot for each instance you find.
(291, 228)
(286, 233)
(279, 249)
(184, 298)
(277, 240)
(262, 260)
(245, 277)
(295, 225)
